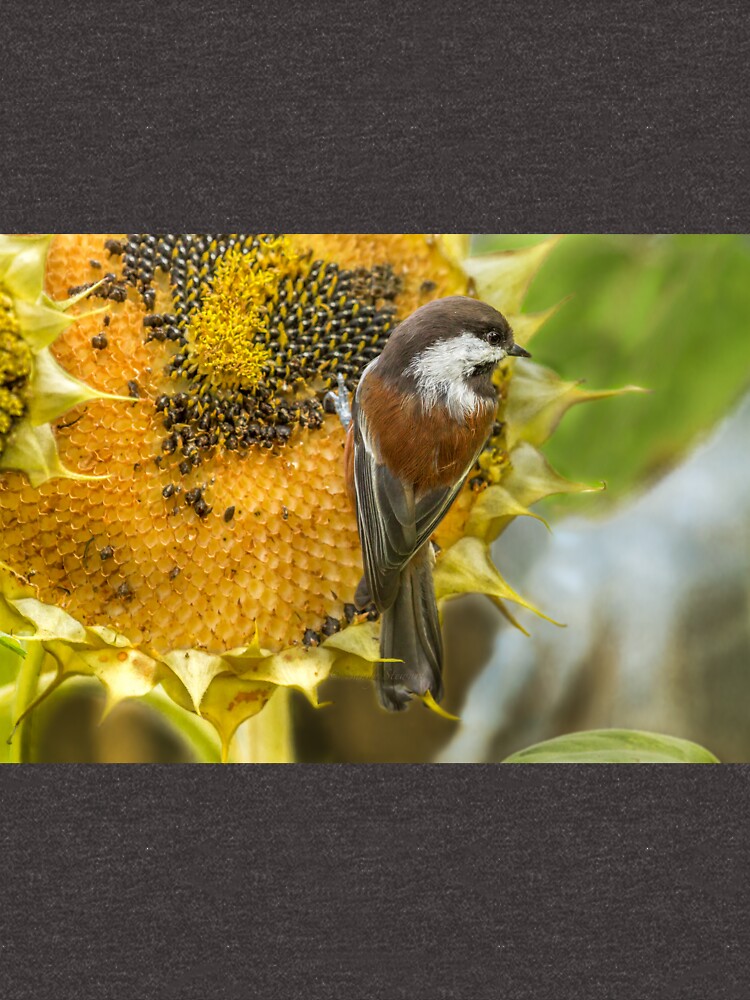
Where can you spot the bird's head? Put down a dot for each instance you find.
(448, 350)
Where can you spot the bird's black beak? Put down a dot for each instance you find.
(516, 351)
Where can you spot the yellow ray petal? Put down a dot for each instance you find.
(41, 325)
(359, 650)
(299, 667)
(509, 617)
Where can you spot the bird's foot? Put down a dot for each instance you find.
(338, 402)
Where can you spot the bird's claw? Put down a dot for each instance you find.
(338, 402)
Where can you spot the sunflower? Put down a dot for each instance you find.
(173, 511)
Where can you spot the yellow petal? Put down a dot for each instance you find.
(50, 622)
(531, 478)
(503, 278)
(196, 670)
(509, 617)
(22, 260)
(538, 399)
(40, 324)
(125, 673)
(33, 450)
(230, 701)
(466, 568)
(493, 511)
(456, 245)
(359, 650)
(429, 702)
(525, 326)
(300, 667)
(53, 392)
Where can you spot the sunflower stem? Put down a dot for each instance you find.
(267, 737)
(27, 685)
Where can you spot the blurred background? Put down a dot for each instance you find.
(650, 576)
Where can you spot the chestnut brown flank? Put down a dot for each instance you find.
(426, 450)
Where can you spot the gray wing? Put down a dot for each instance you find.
(392, 526)
(385, 517)
(433, 506)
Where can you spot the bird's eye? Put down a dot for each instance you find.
(495, 337)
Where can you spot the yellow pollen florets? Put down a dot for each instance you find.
(229, 335)
(15, 368)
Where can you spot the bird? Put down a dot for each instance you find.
(421, 414)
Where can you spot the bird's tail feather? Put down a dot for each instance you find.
(410, 632)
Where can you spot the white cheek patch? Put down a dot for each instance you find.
(441, 372)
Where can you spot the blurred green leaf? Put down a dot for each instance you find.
(11, 658)
(614, 746)
(669, 313)
(196, 732)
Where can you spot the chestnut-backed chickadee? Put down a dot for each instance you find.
(421, 415)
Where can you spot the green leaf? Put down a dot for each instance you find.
(614, 746)
(7, 643)
(666, 312)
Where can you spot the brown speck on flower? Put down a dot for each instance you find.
(331, 626)
(202, 509)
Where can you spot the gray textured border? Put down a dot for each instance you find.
(536, 116)
(405, 883)
(377, 882)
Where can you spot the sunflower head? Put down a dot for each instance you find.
(190, 525)
(15, 369)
